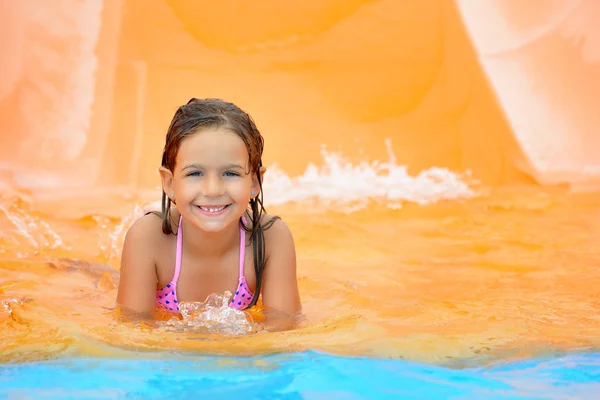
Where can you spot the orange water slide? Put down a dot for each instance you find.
(542, 59)
(503, 89)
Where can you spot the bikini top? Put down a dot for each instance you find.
(166, 298)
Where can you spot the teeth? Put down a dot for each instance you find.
(212, 210)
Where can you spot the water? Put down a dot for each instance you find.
(403, 140)
(493, 294)
(307, 375)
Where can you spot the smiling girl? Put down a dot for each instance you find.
(213, 234)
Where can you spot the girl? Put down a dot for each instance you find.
(216, 237)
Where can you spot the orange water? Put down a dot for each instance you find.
(511, 273)
(507, 91)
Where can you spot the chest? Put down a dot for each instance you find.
(199, 277)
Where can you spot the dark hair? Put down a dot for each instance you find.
(216, 113)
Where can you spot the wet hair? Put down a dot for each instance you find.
(200, 114)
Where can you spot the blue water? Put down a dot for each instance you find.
(308, 375)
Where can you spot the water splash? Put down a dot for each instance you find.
(26, 232)
(336, 184)
(213, 316)
(339, 182)
(340, 185)
(7, 305)
(117, 235)
(348, 187)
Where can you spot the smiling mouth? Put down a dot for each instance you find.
(213, 209)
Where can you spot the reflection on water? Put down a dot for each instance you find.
(511, 273)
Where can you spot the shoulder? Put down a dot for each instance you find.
(280, 285)
(274, 227)
(143, 245)
(278, 236)
(271, 226)
(146, 225)
(146, 231)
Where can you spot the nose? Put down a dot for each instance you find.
(213, 186)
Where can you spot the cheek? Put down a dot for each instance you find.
(242, 188)
(184, 188)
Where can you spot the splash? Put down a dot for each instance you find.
(6, 305)
(338, 182)
(212, 316)
(24, 233)
(335, 184)
(341, 185)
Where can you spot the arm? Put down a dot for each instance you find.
(280, 285)
(137, 283)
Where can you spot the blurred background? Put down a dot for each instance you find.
(504, 89)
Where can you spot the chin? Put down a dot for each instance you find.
(216, 226)
(217, 223)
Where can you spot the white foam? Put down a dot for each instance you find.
(348, 187)
(339, 182)
(27, 233)
(213, 316)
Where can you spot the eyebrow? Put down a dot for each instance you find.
(198, 166)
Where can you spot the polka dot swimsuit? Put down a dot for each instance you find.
(166, 298)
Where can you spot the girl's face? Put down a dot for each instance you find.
(210, 182)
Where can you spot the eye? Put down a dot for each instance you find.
(231, 173)
(194, 173)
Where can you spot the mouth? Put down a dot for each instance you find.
(213, 209)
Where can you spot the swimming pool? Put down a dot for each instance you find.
(307, 375)
(431, 301)
(441, 188)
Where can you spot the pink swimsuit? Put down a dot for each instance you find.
(166, 298)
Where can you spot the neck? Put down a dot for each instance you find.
(209, 244)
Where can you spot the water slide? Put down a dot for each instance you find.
(504, 89)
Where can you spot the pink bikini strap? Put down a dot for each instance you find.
(178, 254)
(180, 244)
(242, 247)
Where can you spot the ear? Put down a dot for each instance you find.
(166, 177)
(255, 185)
